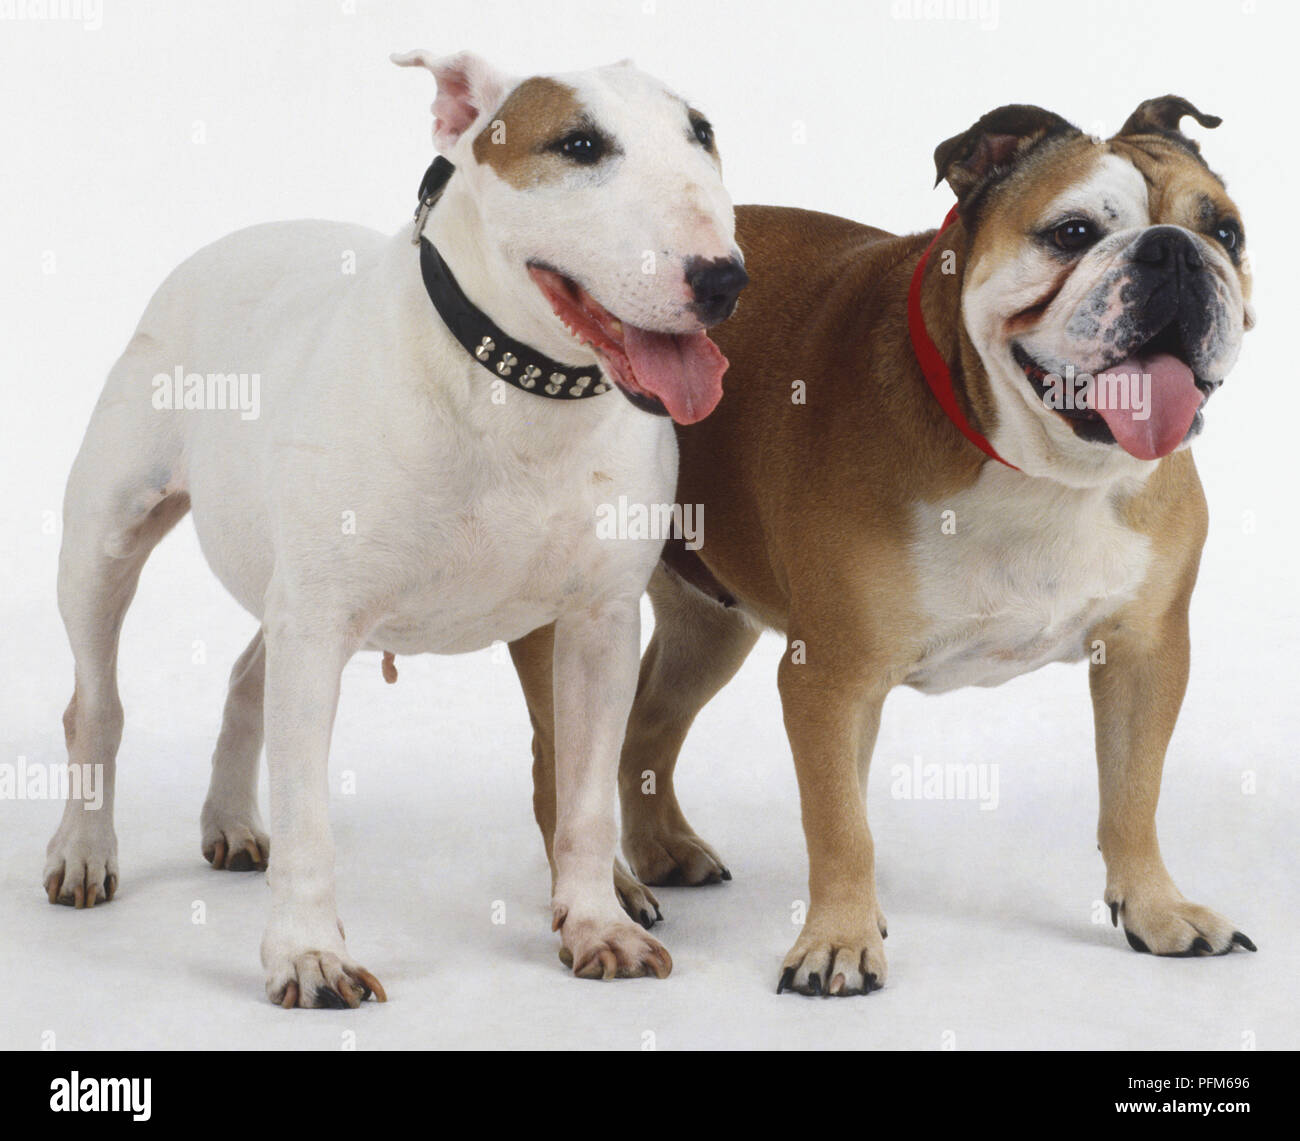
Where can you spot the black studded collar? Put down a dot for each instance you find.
(512, 361)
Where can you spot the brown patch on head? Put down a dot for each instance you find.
(1179, 184)
(1014, 207)
(513, 144)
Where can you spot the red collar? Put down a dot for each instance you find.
(935, 368)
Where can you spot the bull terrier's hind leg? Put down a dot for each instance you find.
(233, 835)
(122, 498)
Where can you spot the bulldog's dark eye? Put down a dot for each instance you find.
(1076, 234)
(582, 147)
(703, 131)
(1228, 234)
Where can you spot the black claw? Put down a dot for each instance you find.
(1201, 945)
(884, 934)
(645, 919)
(329, 998)
(1114, 914)
(1241, 940)
(787, 978)
(872, 984)
(241, 861)
(814, 983)
(1135, 942)
(726, 874)
(658, 914)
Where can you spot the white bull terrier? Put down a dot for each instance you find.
(420, 476)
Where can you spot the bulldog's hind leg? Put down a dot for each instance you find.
(697, 647)
(233, 835)
(122, 498)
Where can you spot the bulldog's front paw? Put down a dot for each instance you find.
(673, 857)
(835, 962)
(607, 947)
(234, 840)
(1160, 921)
(81, 862)
(323, 977)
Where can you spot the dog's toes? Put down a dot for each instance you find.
(1161, 922)
(81, 873)
(234, 840)
(598, 948)
(321, 980)
(674, 859)
(834, 966)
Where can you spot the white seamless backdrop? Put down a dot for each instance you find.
(124, 147)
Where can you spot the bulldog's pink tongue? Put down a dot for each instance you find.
(1169, 401)
(683, 370)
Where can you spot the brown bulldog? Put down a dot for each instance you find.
(946, 460)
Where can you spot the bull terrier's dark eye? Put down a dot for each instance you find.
(1075, 234)
(583, 147)
(1228, 234)
(703, 131)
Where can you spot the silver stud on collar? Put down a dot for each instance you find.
(554, 382)
(601, 387)
(421, 216)
(529, 378)
(507, 363)
(485, 348)
(579, 385)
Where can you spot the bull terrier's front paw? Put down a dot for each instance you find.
(323, 978)
(835, 961)
(673, 857)
(635, 898)
(607, 947)
(1159, 921)
(234, 840)
(81, 863)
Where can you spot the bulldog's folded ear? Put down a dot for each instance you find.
(994, 145)
(1160, 116)
(467, 88)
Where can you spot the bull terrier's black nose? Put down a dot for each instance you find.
(715, 284)
(1168, 247)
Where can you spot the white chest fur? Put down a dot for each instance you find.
(1012, 572)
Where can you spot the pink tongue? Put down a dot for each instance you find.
(683, 370)
(1170, 397)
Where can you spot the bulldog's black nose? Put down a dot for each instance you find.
(715, 284)
(1168, 247)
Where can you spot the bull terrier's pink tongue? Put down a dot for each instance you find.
(683, 370)
(1171, 398)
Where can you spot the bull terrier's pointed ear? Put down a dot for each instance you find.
(1162, 115)
(467, 88)
(994, 145)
